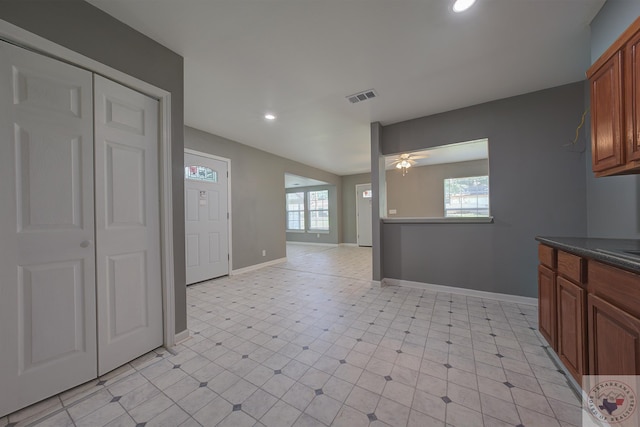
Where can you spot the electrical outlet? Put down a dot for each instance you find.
(264, 252)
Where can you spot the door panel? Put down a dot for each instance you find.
(129, 292)
(125, 198)
(47, 292)
(571, 319)
(206, 223)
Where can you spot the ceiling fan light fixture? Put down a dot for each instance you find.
(462, 5)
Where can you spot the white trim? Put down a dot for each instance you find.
(351, 245)
(229, 228)
(16, 35)
(258, 266)
(461, 291)
(358, 212)
(182, 336)
(331, 245)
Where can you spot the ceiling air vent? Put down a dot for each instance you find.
(362, 96)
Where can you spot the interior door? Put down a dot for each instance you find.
(206, 218)
(129, 290)
(363, 214)
(47, 264)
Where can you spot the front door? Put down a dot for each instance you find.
(206, 217)
(363, 214)
(47, 252)
(127, 224)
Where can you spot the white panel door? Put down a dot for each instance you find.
(129, 292)
(206, 219)
(363, 214)
(47, 264)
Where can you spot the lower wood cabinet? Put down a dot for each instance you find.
(614, 339)
(547, 304)
(589, 313)
(571, 318)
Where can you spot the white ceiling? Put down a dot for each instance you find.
(450, 153)
(300, 58)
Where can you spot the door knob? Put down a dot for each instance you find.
(85, 243)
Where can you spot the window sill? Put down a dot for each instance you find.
(439, 220)
(318, 231)
(296, 231)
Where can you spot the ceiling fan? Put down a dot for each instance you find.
(405, 161)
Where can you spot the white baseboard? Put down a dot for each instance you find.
(331, 245)
(182, 336)
(258, 266)
(378, 283)
(350, 245)
(461, 291)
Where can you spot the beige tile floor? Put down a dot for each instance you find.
(311, 342)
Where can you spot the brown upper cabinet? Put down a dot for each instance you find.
(615, 106)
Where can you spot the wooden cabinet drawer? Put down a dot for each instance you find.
(547, 256)
(571, 266)
(620, 288)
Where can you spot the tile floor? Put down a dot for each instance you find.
(311, 342)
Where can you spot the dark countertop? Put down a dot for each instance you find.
(609, 251)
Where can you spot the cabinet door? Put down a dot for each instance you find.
(606, 115)
(632, 97)
(547, 304)
(571, 314)
(614, 339)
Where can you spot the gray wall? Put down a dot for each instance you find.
(349, 220)
(420, 193)
(332, 236)
(79, 26)
(258, 196)
(537, 188)
(613, 203)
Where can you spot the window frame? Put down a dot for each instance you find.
(307, 213)
(325, 201)
(477, 197)
(302, 213)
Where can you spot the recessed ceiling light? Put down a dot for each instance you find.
(270, 116)
(462, 5)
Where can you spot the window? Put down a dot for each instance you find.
(466, 197)
(308, 211)
(319, 210)
(295, 211)
(200, 173)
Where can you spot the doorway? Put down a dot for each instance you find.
(363, 214)
(207, 218)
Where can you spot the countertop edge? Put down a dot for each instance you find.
(562, 243)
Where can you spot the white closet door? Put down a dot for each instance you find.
(47, 265)
(206, 222)
(127, 224)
